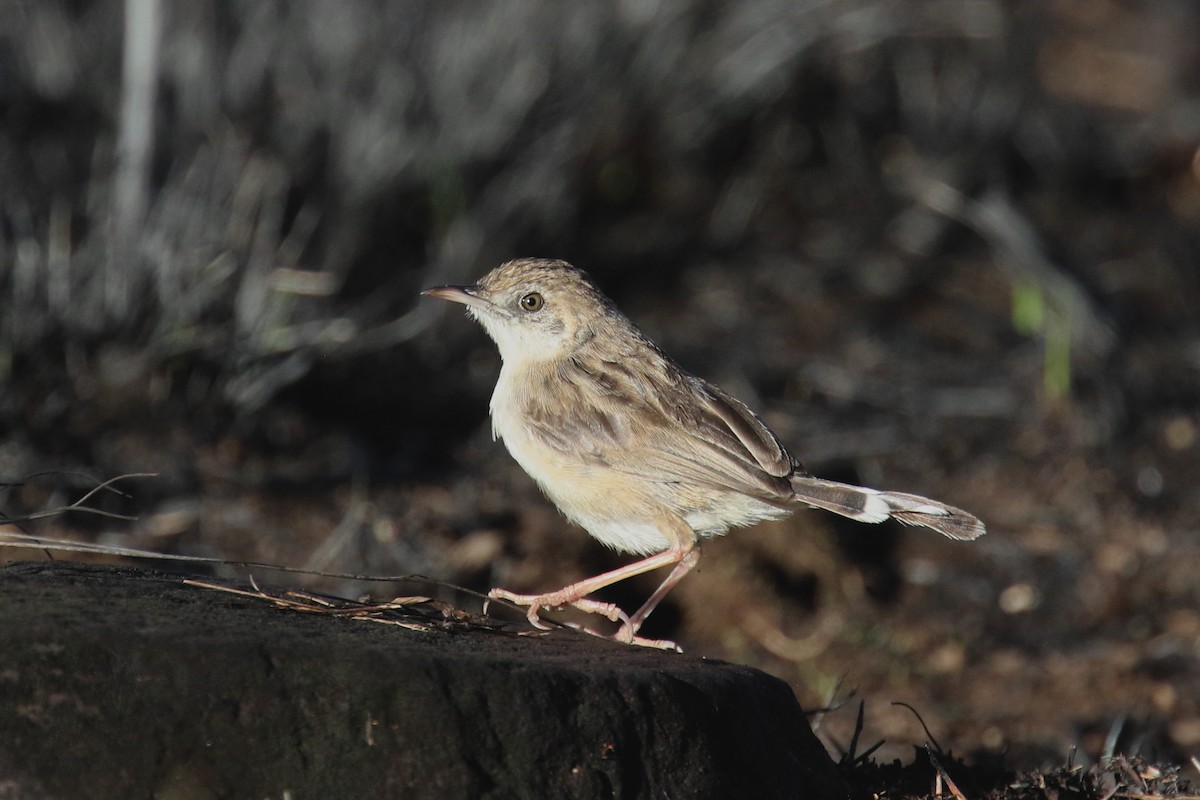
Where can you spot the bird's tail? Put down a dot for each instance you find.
(870, 505)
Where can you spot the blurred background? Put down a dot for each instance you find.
(943, 247)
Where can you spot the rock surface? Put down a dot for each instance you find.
(123, 683)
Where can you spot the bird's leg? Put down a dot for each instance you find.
(682, 557)
(687, 560)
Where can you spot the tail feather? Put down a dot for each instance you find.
(870, 505)
(947, 520)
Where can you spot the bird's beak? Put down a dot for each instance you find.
(467, 295)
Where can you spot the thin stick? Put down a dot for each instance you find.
(943, 775)
(78, 505)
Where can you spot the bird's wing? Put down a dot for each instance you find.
(691, 432)
(715, 439)
(751, 433)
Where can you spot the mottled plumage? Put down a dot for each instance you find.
(644, 456)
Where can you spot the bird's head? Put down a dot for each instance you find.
(535, 309)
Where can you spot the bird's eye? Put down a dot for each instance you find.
(532, 302)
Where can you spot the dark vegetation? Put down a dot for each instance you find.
(949, 248)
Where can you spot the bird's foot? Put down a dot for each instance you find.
(624, 635)
(625, 638)
(560, 599)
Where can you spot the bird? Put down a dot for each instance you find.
(646, 457)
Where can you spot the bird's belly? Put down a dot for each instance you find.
(614, 507)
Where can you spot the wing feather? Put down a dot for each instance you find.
(662, 426)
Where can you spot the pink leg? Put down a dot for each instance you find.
(682, 557)
(683, 567)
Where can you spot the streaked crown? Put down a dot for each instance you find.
(541, 309)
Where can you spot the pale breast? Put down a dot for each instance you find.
(613, 507)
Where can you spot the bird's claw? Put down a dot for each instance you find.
(610, 611)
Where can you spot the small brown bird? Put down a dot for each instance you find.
(645, 457)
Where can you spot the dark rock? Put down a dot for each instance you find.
(122, 683)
